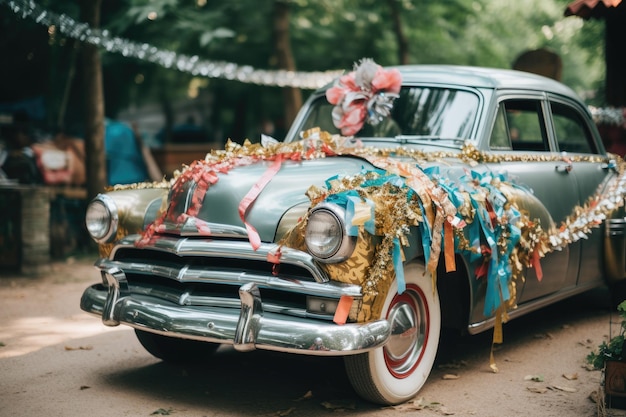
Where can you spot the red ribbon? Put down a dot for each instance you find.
(493, 217)
(537, 265)
(483, 269)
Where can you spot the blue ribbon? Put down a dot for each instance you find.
(348, 200)
(481, 230)
(397, 264)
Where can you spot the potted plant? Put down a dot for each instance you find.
(611, 357)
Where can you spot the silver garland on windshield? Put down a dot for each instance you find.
(168, 59)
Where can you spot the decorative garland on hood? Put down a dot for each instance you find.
(473, 216)
(504, 237)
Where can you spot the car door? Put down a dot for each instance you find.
(522, 128)
(579, 143)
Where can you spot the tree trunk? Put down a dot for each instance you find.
(403, 43)
(95, 159)
(60, 122)
(282, 46)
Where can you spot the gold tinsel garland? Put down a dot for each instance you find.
(395, 213)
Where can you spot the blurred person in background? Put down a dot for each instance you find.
(124, 157)
(17, 159)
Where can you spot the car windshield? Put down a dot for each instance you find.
(420, 113)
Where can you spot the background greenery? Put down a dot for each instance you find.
(324, 34)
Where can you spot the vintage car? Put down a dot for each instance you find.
(403, 200)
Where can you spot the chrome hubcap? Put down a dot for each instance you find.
(409, 331)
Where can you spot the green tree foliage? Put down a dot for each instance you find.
(325, 35)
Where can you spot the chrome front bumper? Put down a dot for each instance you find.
(246, 329)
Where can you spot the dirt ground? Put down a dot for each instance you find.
(57, 360)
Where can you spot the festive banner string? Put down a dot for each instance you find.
(168, 59)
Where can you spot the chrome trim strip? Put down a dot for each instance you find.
(615, 227)
(190, 228)
(524, 309)
(250, 318)
(209, 248)
(265, 331)
(116, 281)
(330, 289)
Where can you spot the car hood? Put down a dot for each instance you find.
(222, 205)
(286, 189)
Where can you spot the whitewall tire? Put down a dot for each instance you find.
(395, 372)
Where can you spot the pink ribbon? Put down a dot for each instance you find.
(252, 195)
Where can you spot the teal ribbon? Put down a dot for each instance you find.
(397, 265)
(425, 233)
(481, 230)
(349, 200)
(499, 269)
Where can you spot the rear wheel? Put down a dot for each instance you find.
(395, 372)
(176, 350)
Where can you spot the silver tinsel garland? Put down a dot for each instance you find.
(612, 116)
(28, 9)
(168, 59)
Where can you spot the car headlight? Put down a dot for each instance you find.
(326, 235)
(101, 219)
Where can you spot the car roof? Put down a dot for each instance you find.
(481, 77)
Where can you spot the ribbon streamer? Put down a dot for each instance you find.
(252, 195)
(398, 267)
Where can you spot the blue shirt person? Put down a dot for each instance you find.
(125, 164)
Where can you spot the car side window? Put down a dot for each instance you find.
(525, 123)
(572, 133)
(500, 134)
(519, 126)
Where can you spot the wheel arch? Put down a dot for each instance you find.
(454, 295)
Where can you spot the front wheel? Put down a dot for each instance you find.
(395, 372)
(176, 350)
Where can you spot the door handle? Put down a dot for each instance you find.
(565, 167)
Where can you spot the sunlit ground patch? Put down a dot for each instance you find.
(21, 336)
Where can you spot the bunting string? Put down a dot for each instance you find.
(192, 64)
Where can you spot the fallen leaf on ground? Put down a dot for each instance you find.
(417, 404)
(450, 376)
(339, 405)
(570, 377)
(285, 413)
(564, 389)
(590, 367)
(537, 390)
(597, 396)
(88, 347)
(162, 412)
